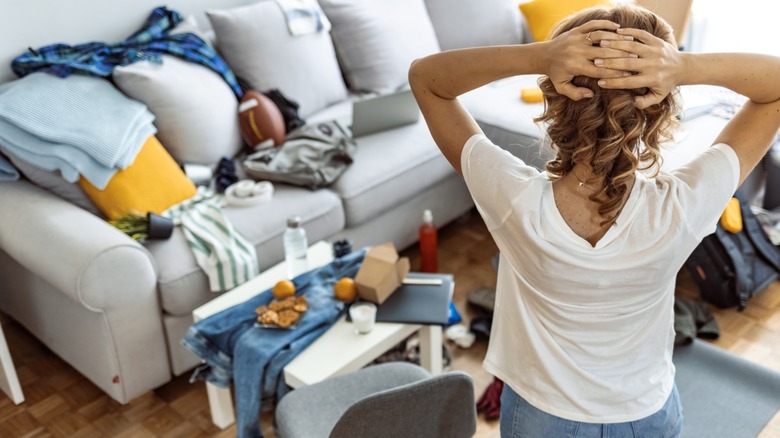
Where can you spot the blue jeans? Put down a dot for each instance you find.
(521, 420)
(234, 348)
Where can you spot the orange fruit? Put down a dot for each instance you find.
(283, 289)
(345, 289)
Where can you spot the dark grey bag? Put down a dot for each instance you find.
(729, 268)
(313, 156)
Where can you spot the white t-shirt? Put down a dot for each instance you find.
(581, 332)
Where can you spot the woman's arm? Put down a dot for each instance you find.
(438, 80)
(661, 68)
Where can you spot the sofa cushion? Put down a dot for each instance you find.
(182, 284)
(53, 181)
(467, 23)
(542, 15)
(195, 109)
(153, 183)
(390, 167)
(377, 40)
(257, 45)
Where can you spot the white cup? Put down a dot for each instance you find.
(363, 317)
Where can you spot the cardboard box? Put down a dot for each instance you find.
(381, 273)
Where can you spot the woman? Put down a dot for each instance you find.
(583, 327)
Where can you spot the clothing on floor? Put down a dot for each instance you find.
(490, 401)
(149, 43)
(236, 349)
(693, 319)
(226, 257)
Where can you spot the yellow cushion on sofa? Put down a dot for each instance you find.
(543, 15)
(154, 182)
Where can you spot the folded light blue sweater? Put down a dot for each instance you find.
(78, 125)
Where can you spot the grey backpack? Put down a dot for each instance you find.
(313, 156)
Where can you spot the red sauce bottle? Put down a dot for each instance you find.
(428, 243)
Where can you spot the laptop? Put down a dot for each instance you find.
(384, 112)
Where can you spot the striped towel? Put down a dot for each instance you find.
(220, 250)
(304, 17)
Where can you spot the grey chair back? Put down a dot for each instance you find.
(440, 406)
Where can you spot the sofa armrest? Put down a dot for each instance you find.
(73, 250)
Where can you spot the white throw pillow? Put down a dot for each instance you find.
(377, 40)
(255, 42)
(468, 23)
(196, 112)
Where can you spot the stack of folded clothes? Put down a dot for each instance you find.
(79, 125)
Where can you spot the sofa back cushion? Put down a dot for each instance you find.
(377, 40)
(468, 23)
(196, 112)
(257, 44)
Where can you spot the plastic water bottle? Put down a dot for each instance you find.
(428, 243)
(295, 246)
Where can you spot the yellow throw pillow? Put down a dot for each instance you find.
(543, 15)
(154, 182)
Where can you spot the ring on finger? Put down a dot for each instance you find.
(587, 37)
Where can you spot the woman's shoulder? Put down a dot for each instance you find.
(480, 154)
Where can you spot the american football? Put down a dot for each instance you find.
(260, 120)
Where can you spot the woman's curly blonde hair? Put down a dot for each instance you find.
(607, 132)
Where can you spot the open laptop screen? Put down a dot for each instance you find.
(384, 112)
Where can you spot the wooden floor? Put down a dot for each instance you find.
(61, 403)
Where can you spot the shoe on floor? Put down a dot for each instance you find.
(484, 298)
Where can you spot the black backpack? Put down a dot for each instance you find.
(729, 268)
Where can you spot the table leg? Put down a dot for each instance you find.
(221, 405)
(9, 382)
(430, 348)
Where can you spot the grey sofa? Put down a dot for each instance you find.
(116, 309)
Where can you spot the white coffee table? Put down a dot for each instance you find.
(338, 351)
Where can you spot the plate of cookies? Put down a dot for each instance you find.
(281, 313)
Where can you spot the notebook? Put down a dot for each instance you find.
(384, 112)
(418, 304)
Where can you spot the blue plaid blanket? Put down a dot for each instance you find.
(148, 44)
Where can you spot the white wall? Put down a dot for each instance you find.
(35, 23)
(743, 26)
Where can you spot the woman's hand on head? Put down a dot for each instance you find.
(657, 66)
(573, 53)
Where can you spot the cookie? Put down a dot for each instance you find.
(276, 306)
(269, 317)
(300, 308)
(288, 318)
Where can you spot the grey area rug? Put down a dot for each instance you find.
(724, 395)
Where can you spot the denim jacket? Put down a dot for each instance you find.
(235, 348)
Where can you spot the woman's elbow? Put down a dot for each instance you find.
(415, 75)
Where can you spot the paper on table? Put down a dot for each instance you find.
(424, 281)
